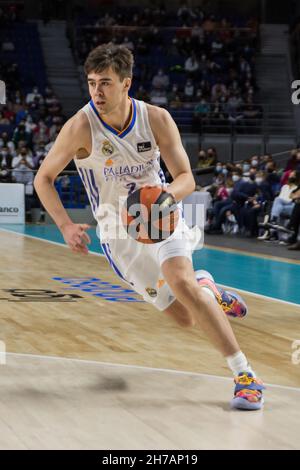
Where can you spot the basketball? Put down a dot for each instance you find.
(150, 214)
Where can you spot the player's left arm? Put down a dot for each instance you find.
(172, 152)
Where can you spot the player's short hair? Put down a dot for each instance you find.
(118, 57)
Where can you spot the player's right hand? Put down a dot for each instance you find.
(76, 237)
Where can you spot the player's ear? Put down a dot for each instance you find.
(127, 83)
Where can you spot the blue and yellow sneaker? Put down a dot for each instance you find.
(247, 392)
(231, 302)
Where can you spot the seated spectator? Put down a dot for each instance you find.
(191, 65)
(5, 141)
(294, 222)
(158, 97)
(142, 94)
(202, 160)
(23, 167)
(160, 80)
(222, 192)
(242, 192)
(248, 216)
(176, 102)
(218, 90)
(264, 160)
(5, 165)
(292, 164)
(40, 154)
(201, 113)
(273, 177)
(255, 161)
(218, 188)
(4, 120)
(41, 132)
(246, 167)
(251, 111)
(189, 90)
(34, 95)
(211, 156)
(282, 206)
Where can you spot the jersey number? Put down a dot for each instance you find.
(131, 187)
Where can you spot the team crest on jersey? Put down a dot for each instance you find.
(150, 291)
(107, 148)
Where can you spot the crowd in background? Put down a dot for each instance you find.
(186, 59)
(252, 190)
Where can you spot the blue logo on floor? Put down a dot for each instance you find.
(99, 288)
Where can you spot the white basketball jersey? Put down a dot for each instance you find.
(119, 163)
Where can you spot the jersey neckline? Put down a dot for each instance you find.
(129, 126)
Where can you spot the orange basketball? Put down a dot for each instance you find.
(150, 214)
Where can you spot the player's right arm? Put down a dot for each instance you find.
(74, 137)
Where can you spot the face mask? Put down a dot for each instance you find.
(218, 169)
(246, 178)
(292, 179)
(258, 180)
(246, 168)
(225, 171)
(254, 162)
(4, 153)
(235, 178)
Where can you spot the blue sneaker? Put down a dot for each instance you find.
(231, 302)
(247, 392)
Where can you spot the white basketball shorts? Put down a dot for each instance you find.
(139, 264)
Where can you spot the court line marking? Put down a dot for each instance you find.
(148, 369)
(44, 240)
(95, 253)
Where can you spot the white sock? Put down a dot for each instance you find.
(238, 363)
(209, 291)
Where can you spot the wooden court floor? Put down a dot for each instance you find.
(111, 395)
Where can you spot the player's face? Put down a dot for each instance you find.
(107, 90)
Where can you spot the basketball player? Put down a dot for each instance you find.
(116, 143)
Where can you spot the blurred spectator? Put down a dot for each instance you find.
(248, 215)
(160, 80)
(21, 134)
(283, 204)
(191, 65)
(34, 95)
(23, 167)
(5, 165)
(189, 90)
